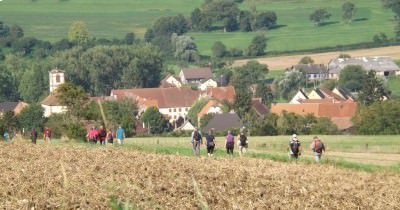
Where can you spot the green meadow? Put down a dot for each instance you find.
(50, 20)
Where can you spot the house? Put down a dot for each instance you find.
(312, 71)
(340, 112)
(384, 66)
(224, 121)
(220, 93)
(170, 81)
(186, 126)
(209, 83)
(324, 93)
(212, 106)
(195, 75)
(300, 95)
(259, 107)
(15, 107)
(51, 104)
(173, 102)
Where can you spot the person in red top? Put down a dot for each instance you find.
(92, 135)
(47, 134)
(102, 135)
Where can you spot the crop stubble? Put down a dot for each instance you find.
(54, 177)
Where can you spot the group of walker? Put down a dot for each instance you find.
(104, 137)
(197, 141)
(317, 146)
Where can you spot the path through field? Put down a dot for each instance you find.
(283, 62)
(76, 177)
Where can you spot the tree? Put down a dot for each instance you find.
(265, 20)
(324, 126)
(185, 48)
(154, 120)
(78, 32)
(378, 118)
(349, 9)
(372, 90)
(230, 24)
(129, 38)
(222, 10)
(394, 5)
(250, 73)
(8, 90)
(195, 109)
(306, 60)
(352, 77)
(319, 16)
(73, 97)
(205, 120)
(121, 113)
(290, 83)
(31, 117)
(8, 122)
(242, 101)
(34, 82)
(195, 18)
(219, 49)
(149, 35)
(245, 19)
(166, 26)
(257, 46)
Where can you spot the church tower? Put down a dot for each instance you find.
(56, 77)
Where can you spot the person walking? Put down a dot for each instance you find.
(317, 146)
(110, 137)
(243, 143)
(120, 133)
(294, 147)
(47, 134)
(102, 135)
(197, 140)
(6, 136)
(92, 135)
(34, 135)
(229, 143)
(210, 143)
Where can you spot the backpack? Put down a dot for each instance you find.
(318, 146)
(294, 146)
(196, 136)
(243, 140)
(103, 133)
(34, 134)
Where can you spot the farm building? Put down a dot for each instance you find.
(384, 66)
(15, 107)
(195, 75)
(312, 71)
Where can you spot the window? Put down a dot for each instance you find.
(58, 78)
(186, 109)
(169, 110)
(174, 109)
(180, 110)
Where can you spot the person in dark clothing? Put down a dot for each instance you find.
(210, 143)
(230, 143)
(102, 135)
(294, 147)
(34, 135)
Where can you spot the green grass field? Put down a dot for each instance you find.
(393, 83)
(50, 20)
(361, 152)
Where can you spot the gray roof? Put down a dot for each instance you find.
(224, 121)
(311, 68)
(197, 73)
(8, 106)
(379, 64)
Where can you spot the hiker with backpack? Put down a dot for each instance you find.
(294, 147)
(317, 146)
(102, 135)
(110, 137)
(34, 135)
(210, 143)
(243, 143)
(229, 143)
(92, 135)
(197, 140)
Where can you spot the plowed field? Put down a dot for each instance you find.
(70, 177)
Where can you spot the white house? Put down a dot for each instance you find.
(172, 102)
(300, 95)
(195, 75)
(50, 104)
(186, 126)
(170, 81)
(210, 83)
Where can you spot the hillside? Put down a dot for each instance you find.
(50, 20)
(51, 177)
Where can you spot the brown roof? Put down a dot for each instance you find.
(165, 84)
(258, 106)
(51, 100)
(206, 108)
(329, 94)
(197, 73)
(16, 107)
(221, 93)
(163, 97)
(340, 110)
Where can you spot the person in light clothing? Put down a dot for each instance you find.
(120, 134)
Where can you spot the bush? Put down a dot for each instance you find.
(75, 131)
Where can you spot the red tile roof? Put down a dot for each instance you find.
(51, 100)
(163, 97)
(221, 93)
(257, 105)
(197, 73)
(206, 108)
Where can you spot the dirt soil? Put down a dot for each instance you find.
(71, 177)
(283, 62)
